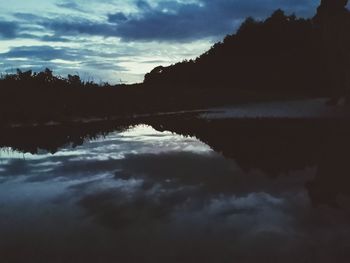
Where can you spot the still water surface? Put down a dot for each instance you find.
(146, 196)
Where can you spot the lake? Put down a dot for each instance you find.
(144, 195)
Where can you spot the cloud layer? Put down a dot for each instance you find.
(158, 25)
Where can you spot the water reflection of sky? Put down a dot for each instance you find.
(148, 196)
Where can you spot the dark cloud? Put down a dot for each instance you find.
(13, 30)
(61, 26)
(54, 38)
(102, 65)
(15, 167)
(113, 210)
(8, 30)
(47, 53)
(27, 27)
(72, 27)
(69, 5)
(117, 17)
(156, 61)
(171, 21)
(211, 172)
(44, 53)
(26, 16)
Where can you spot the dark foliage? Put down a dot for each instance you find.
(280, 54)
(28, 98)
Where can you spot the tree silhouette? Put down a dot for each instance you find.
(333, 24)
(283, 54)
(74, 80)
(45, 76)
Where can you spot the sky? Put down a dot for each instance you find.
(120, 40)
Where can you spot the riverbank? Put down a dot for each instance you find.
(21, 105)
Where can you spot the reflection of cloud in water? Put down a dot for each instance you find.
(113, 147)
(147, 196)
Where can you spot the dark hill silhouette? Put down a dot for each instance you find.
(282, 53)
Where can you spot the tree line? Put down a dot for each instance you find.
(282, 53)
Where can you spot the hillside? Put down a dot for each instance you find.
(280, 54)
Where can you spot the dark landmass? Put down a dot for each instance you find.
(28, 98)
(282, 54)
(282, 57)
